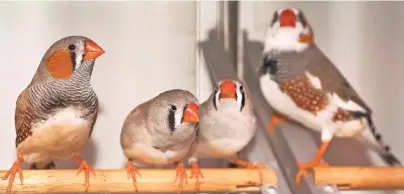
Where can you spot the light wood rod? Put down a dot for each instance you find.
(361, 178)
(152, 180)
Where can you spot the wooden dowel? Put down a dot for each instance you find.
(152, 180)
(361, 178)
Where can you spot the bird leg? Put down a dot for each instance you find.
(86, 168)
(316, 161)
(249, 165)
(276, 118)
(16, 168)
(181, 173)
(197, 174)
(132, 171)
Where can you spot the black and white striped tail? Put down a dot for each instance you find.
(387, 156)
(374, 140)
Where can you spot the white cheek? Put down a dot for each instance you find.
(239, 97)
(217, 95)
(177, 118)
(79, 58)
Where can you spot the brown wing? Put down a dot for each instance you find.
(24, 116)
(332, 80)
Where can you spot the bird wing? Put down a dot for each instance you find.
(332, 80)
(133, 125)
(24, 117)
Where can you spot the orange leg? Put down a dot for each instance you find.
(86, 168)
(16, 168)
(132, 171)
(275, 120)
(305, 167)
(249, 165)
(181, 175)
(197, 174)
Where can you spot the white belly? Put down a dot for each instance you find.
(221, 148)
(224, 137)
(59, 137)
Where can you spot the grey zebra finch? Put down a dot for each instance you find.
(160, 131)
(56, 113)
(302, 84)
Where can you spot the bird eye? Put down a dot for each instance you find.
(173, 107)
(241, 88)
(72, 47)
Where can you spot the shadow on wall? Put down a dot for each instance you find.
(344, 152)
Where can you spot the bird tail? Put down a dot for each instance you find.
(45, 165)
(373, 139)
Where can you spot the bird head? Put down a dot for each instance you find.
(289, 31)
(71, 55)
(175, 111)
(230, 92)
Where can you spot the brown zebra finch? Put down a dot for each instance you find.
(160, 131)
(302, 84)
(56, 113)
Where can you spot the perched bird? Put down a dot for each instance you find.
(303, 85)
(227, 125)
(56, 113)
(160, 131)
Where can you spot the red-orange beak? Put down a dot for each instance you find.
(191, 113)
(287, 18)
(92, 50)
(228, 90)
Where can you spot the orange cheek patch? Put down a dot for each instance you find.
(306, 38)
(60, 65)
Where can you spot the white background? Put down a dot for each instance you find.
(151, 47)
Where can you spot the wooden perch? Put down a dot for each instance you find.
(152, 180)
(361, 178)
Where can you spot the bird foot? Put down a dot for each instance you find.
(181, 174)
(249, 165)
(16, 168)
(87, 169)
(132, 171)
(197, 174)
(305, 167)
(275, 120)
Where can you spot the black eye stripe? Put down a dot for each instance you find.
(73, 58)
(274, 17)
(242, 100)
(214, 98)
(171, 120)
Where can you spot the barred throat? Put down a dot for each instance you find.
(48, 97)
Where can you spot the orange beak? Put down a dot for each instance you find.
(287, 18)
(228, 90)
(92, 50)
(191, 114)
